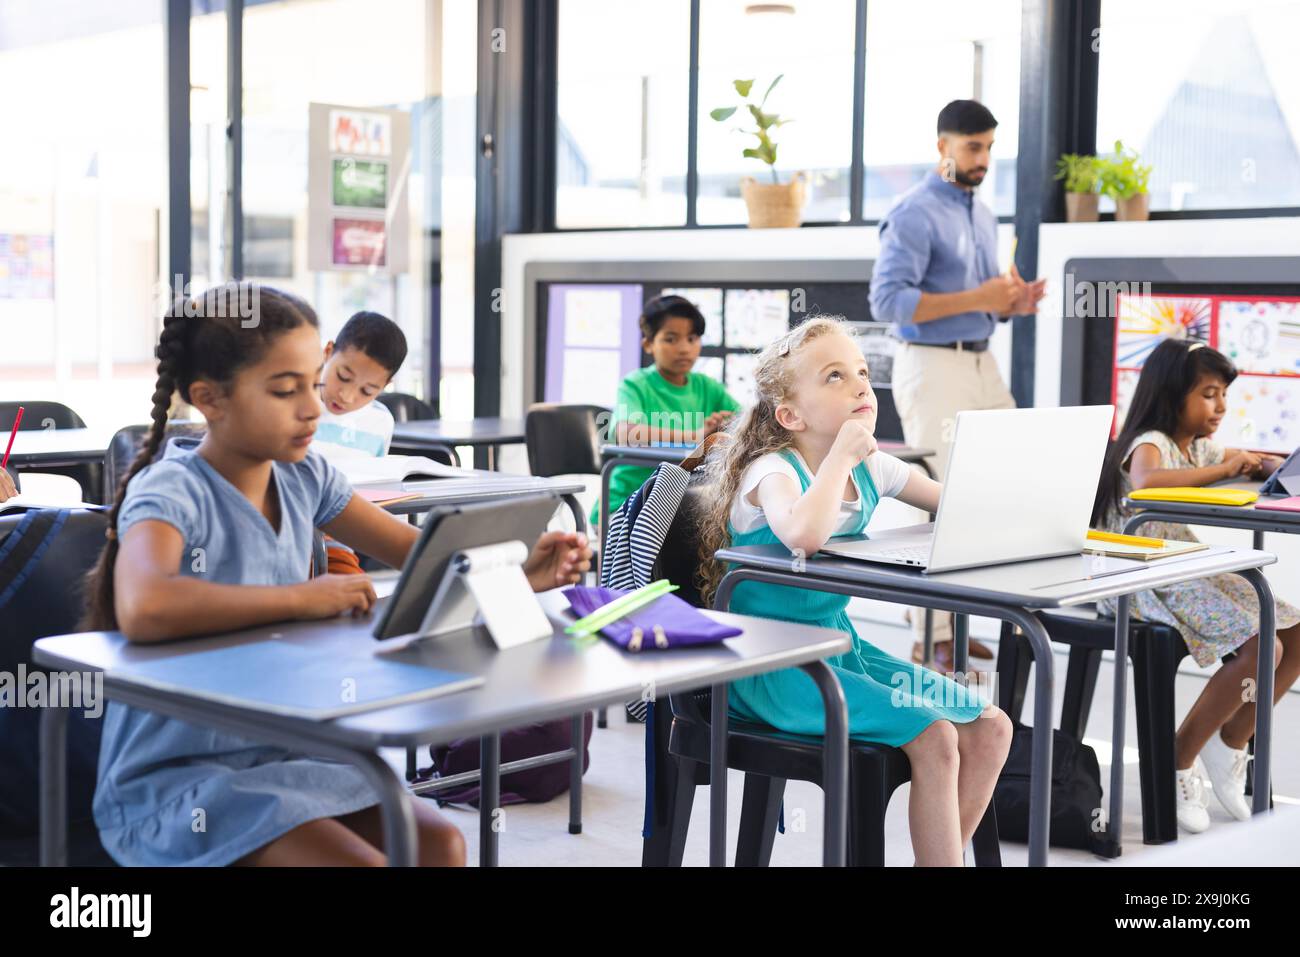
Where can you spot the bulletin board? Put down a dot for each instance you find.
(1260, 335)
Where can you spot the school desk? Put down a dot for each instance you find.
(1013, 593)
(540, 681)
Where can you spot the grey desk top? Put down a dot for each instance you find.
(477, 486)
(485, 431)
(543, 680)
(675, 453)
(1042, 583)
(1233, 516)
(50, 446)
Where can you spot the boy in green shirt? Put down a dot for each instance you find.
(665, 403)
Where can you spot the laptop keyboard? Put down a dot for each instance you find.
(919, 554)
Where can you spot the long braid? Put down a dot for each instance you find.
(209, 337)
(100, 614)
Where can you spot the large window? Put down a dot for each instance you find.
(625, 110)
(1209, 93)
(810, 45)
(82, 206)
(622, 99)
(919, 57)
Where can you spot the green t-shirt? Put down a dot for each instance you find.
(647, 398)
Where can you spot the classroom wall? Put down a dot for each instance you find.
(722, 245)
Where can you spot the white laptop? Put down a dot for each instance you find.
(1020, 485)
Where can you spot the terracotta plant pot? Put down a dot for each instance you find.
(1081, 207)
(1132, 209)
(775, 205)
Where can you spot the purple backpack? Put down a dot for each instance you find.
(532, 786)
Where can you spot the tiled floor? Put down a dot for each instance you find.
(613, 796)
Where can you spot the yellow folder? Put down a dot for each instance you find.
(1197, 496)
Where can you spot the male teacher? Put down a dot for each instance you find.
(937, 280)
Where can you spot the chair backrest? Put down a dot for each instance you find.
(564, 439)
(39, 415)
(679, 561)
(38, 607)
(125, 446)
(406, 407)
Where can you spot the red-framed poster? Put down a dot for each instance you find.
(1260, 334)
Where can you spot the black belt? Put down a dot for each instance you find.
(974, 345)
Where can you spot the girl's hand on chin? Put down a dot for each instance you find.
(854, 441)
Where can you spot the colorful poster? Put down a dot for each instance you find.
(359, 242)
(360, 133)
(1261, 336)
(1141, 322)
(591, 341)
(754, 317)
(360, 183)
(709, 302)
(26, 266)
(1263, 413)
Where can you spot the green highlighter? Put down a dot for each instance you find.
(618, 608)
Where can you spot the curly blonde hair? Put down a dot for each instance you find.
(753, 435)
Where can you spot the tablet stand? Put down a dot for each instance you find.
(487, 585)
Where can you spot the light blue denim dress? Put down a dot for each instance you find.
(174, 793)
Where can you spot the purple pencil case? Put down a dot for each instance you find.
(667, 622)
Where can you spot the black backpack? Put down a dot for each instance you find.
(44, 554)
(1078, 814)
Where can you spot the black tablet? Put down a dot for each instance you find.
(453, 529)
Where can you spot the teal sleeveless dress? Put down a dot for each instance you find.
(890, 701)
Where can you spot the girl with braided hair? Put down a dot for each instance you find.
(216, 539)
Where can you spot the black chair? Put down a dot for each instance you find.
(127, 442)
(47, 602)
(768, 757)
(1155, 650)
(406, 407)
(564, 439)
(54, 415)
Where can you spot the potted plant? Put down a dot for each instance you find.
(773, 204)
(1080, 174)
(1125, 180)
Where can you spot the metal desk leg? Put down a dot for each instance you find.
(398, 816)
(1119, 719)
(835, 763)
(605, 471)
(1263, 690)
(489, 798)
(927, 645)
(961, 646)
(575, 775)
(718, 778)
(54, 786)
(1040, 768)
(1257, 540)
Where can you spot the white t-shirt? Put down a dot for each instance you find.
(888, 473)
(365, 431)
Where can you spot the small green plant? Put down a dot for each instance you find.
(764, 123)
(1079, 172)
(1121, 175)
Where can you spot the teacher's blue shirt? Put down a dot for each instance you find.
(936, 238)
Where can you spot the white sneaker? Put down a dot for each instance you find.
(1226, 769)
(1189, 791)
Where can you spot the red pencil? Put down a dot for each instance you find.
(17, 421)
